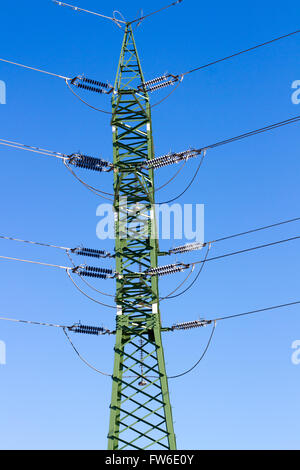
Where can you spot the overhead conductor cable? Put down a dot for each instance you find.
(80, 250)
(203, 322)
(178, 267)
(209, 64)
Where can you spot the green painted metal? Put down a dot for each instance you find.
(140, 410)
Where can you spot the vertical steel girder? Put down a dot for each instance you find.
(140, 410)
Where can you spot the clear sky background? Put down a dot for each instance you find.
(245, 393)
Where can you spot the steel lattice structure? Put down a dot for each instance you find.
(140, 410)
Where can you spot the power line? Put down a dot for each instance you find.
(75, 8)
(114, 19)
(85, 270)
(161, 82)
(139, 20)
(64, 157)
(75, 328)
(200, 359)
(179, 267)
(35, 323)
(227, 141)
(85, 102)
(194, 280)
(35, 69)
(96, 191)
(251, 133)
(187, 265)
(67, 80)
(246, 250)
(85, 281)
(30, 148)
(169, 296)
(241, 52)
(176, 157)
(36, 262)
(172, 178)
(189, 184)
(193, 246)
(201, 323)
(265, 227)
(81, 270)
(251, 312)
(214, 241)
(34, 243)
(82, 358)
(79, 250)
(88, 296)
(77, 159)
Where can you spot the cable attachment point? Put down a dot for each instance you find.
(92, 85)
(76, 269)
(89, 163)
(160, 82)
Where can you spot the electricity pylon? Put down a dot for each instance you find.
(140, 410)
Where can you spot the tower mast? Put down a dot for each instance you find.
(140, 410)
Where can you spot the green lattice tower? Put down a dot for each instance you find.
(140, 410)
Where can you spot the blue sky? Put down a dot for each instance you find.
(244, 395)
